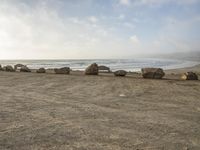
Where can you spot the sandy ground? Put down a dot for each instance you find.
(77, 112)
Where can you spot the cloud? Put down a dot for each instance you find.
(125, 2)
(121, 17)
(177, 36)
(134, 39)
(41, 32)
(155, 2)
(129, 25)
(47, 29)
(93, 19)
(161, 2)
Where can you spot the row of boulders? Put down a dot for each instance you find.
(93, 69)
(24, 68)
(154, 73)
(20, 67)
(150, 73)
(9, 68)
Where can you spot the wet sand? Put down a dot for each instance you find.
(78, 112)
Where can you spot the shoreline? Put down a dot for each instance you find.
(171, 74)
(195, 68)
(132, 65)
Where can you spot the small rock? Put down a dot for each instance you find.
(189, 76)
(92, 69)
(64, 70)
(121, 73)
(104, 68)
(25, 69)
(1, 69)
(19, 66)
(122, 95)
(41, 70)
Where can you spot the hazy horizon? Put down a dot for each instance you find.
(91, 29)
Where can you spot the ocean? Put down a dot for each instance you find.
(115, 64)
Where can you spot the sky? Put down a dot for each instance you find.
(86, 29)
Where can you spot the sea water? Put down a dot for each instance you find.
(115, 64)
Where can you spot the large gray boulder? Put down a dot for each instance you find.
(153, 73)
(41, 70)
(121, 73)
(93, 69)
(8, 68)
(104, 69)
(189, 76)
(19, 66)
(25, 69)
(64, 70)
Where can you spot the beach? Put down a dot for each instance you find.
(114, 64)
(104, 112)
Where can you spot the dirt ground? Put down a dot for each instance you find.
(77, 112)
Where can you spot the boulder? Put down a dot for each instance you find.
(19, 66)
(153, 73)
(8, 68)
(41, 70)
(104, 69)
(92, 69)
(1, 69)
(121, 73)
(189, 76)
(64, 70)
(25, 69)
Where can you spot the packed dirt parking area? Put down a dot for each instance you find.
(78, 112)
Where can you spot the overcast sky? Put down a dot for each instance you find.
(36, 29)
